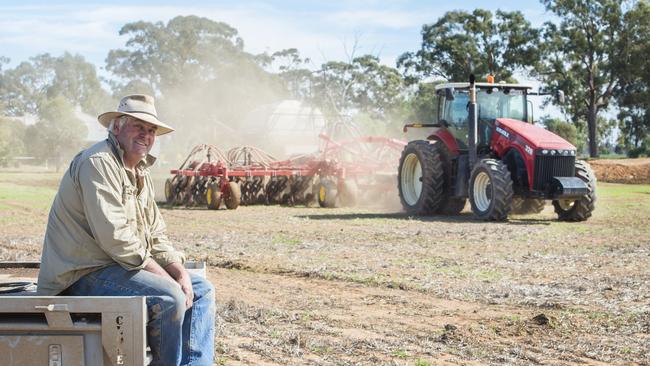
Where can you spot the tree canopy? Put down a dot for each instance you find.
(30, 84)
(462, 43)
(583, 56)
(198, 69)
(206, 83)
(58, 134)
(634, 93)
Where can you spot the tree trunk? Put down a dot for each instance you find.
(592, 119)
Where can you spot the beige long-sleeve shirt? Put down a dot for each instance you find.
(102, 214)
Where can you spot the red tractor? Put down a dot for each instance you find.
(482, 148)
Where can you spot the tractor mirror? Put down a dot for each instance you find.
(559, 97)
(449, 93)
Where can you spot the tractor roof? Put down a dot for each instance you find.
(482, 85)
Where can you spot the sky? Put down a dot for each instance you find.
(320, 30)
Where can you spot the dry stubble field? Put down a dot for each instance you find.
(366, 286)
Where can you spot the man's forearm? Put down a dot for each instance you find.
(179, 273)
(176, 270)
(155, 268)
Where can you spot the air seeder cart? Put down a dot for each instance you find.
(336, 176)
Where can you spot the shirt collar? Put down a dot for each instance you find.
(146, 162)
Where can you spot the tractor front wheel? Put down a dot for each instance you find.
(490, 190)
(580, 209)
(420, 178)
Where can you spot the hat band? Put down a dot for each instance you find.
(151, 114)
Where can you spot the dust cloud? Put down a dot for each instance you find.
(267, 118)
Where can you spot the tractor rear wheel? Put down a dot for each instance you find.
(327, 192)
(525, 206)
(490, 190)
(580, 209)
(450, 205)
(213, 196)
(233, 198)
(420, 178)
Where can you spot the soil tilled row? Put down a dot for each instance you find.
(280, 319)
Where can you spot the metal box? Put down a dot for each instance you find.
(73, 330)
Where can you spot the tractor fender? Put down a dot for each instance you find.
(447, 139)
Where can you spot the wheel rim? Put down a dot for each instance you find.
(482, 191)
(411, 179)
(322, 192)
(208, 196)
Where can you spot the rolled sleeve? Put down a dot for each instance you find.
(102, 195)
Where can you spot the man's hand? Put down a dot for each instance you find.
(182, 277)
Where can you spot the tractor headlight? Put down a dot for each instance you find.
(553, 152)
(544, 152)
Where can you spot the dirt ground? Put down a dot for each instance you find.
(634, 171)
(373, 286)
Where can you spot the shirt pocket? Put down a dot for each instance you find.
(128, 199)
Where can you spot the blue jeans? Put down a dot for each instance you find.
(176, 336)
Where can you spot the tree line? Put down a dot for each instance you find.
(205, 81)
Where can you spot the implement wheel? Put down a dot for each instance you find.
(169, 191)
(326, 190)
(348, 194)
(490, 190)
(420, 178)
(580, 209)
(213, 196)
(232, 198)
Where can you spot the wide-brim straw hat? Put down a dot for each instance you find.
(139, 106)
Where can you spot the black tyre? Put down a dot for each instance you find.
(526, 206)
(327, 192)
(490, 190)
(420, 178)
(213, 196)
(580, 209)
(450, 205)
(232, 198)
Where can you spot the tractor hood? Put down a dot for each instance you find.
(535, 136)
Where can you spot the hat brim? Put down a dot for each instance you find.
(106, 118)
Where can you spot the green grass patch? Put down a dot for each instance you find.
(285, 240)
(400, 353)
(35, 179)
(15, 195)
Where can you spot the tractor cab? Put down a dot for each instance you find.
(493, 101)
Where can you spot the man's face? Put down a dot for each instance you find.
(136, 138)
